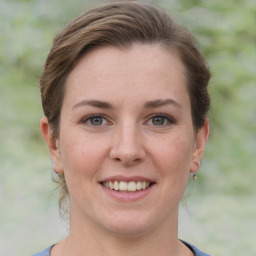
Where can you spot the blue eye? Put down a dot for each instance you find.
(161, 120)
(94, 120)
(158, 120)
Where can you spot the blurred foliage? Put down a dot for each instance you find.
(227, 36)
(225, 32)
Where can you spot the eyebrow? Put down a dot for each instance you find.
(93, 103)
(160, 103)
(106, 105)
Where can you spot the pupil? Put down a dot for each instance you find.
(96, 121)
(158, 120)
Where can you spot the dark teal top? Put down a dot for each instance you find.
(196, 251)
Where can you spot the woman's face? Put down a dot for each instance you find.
(126, 143)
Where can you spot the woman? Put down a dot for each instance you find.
(124, 93)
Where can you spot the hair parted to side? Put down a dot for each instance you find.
(120, 24)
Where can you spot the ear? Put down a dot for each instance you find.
(52, 143)
(200, 142)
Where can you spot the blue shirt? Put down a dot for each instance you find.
(196, 251)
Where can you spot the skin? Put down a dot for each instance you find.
(131, 140)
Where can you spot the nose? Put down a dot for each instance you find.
(127, 147)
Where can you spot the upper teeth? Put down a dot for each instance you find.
(126, 186)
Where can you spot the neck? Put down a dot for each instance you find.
(88, 239)
(120, 246)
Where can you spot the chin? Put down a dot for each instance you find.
(129, 225)
(128, 231)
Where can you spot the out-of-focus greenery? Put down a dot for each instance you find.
(226, 34)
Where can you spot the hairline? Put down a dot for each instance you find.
(124, 47)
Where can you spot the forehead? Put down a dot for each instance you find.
(148, 70)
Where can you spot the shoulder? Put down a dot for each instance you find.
(45, 252)
(195, 250)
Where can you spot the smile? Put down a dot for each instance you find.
(124, 186)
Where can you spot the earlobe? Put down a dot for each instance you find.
(200, 142)
(52, 143)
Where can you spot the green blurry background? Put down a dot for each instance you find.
(219, 212)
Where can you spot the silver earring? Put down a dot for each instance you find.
(194, 177)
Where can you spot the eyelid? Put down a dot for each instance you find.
(169, 118)
(85, 119)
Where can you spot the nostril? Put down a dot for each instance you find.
(127, 159)
(128, 148)
(130, 161)
(118, 159)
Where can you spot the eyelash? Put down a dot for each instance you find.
(167, 119)
(91, 117)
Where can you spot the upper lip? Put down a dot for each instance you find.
(127, 179)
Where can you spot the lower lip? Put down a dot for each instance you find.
(128, 196)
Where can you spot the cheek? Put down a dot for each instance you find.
(174, 155)
(81, 156)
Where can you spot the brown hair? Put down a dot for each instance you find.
(120, 24)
